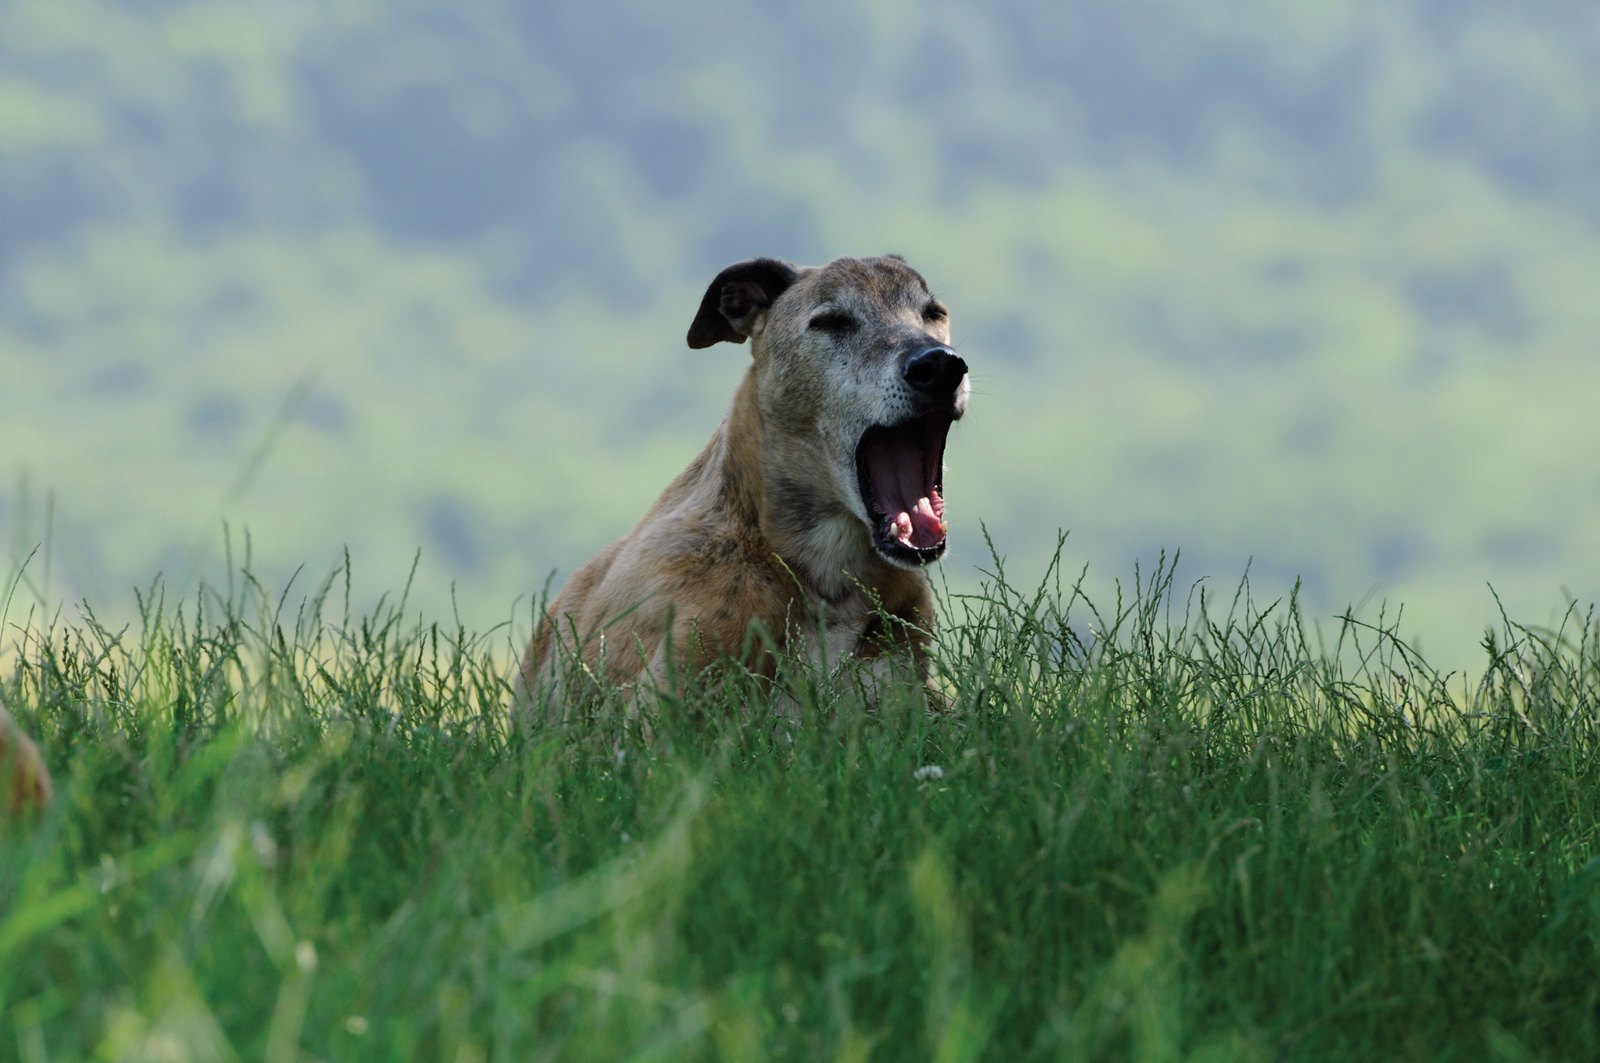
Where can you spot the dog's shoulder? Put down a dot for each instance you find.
(721, 565)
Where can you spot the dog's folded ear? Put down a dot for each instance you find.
(733, 300)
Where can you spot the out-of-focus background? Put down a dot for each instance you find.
(1315, 284)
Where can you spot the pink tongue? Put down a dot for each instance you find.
(923, 527)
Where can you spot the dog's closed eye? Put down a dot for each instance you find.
(935, 311)
(835, 321)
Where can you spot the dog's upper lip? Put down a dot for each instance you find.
(899, 469)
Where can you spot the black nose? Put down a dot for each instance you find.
(935, 370)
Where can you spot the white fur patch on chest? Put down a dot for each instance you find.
(832, 638)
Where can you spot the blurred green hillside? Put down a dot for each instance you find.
(1307, 283)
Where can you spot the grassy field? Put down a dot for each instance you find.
(1172, 827)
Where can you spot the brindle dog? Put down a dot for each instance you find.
(810, 516)
(24, 780)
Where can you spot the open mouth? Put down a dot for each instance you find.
(899, 469)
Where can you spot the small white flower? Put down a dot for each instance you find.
(261, 840)
(928, 771)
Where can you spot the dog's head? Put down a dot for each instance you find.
(857, 384)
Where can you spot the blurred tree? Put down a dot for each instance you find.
(1308, 282)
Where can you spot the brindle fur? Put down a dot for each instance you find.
(765, 531)
(24, 780)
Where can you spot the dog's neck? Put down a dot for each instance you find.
(790, 512)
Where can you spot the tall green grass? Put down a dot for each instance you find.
(1168, 827)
